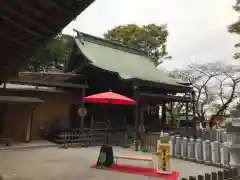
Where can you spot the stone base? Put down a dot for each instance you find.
(109, 156)
(207, 162)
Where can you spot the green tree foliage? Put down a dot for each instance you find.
(150, 38)
(54, 54)
(235, 28)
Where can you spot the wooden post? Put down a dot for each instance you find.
(141, 117)
(200, 177)
(220, 175)
(65, 140)
(194, 128)
(90, 132)
(171, 108)
(83, 108)
(192, 178)
(235, 172)
(193, 103)
(30, 123)
(137, 138)
(214, 175)
(225, 174)
(230, 173)
(164, 117)
(187, 120)
(207, 176)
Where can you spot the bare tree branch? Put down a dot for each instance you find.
(206, 80)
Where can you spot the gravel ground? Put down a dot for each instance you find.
(73, 164)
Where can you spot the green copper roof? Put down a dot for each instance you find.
(128, 63)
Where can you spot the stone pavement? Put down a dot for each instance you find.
(33, 144)
(54, 163)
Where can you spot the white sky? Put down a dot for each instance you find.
(197, 29)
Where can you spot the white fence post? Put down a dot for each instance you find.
(191, 150)
(199, 150)
(178, 147)
(207, 152)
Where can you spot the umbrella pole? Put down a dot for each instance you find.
(108, 130)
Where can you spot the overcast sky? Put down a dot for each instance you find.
(197, 29)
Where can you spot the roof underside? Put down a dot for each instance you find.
(48, 79)
(26, 25)
(17, 99)
(129, 64)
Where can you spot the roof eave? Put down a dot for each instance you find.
(174, 88)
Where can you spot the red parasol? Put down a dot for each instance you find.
(109, 98)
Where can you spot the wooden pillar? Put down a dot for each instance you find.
(30, 124)
(91, 122)
(164, 116)
(82, 109)
(136, 124)
(171, 109)
(141, 117)
(187, 120)
(194, 128)
(28, 133)
(193, 103)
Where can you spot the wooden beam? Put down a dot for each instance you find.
(61, 8)
(166, 87)
(47, 84)
(9, 30)
(32, 6)
(47, 74)
(7, 8)
(48, 77)
(7, 50)
(163, 97)
(14, 40)
(21, 27)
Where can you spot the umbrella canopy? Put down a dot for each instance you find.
(109, 98)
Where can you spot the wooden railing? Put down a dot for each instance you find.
(90, 137)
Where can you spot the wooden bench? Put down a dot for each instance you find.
(134, 157)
